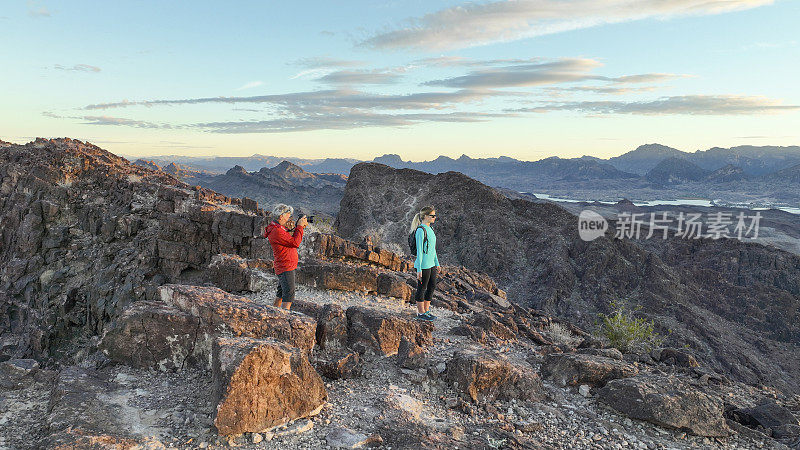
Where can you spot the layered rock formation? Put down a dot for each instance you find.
(734, 303)
(85, 233)
(188, 364)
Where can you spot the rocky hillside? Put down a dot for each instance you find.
(734, 303)
(286, 183)
(674, 170)
(86, 233)
(136, 313)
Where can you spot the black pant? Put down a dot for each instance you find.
(427, 285)
(286, 286)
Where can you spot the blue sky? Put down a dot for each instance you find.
(527, 79)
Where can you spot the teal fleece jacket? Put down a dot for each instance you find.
(429, 259)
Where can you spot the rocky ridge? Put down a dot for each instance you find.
(734, 303)
(489, 373)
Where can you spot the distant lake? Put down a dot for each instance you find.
(678, 202)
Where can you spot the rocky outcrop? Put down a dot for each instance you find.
(411, 355)
(576, 369)
(380, 332)
(233, 273)
(714, 295)
(86, 233)
(667, 401)
(225, 314)
(152, 334)
(348, 366)
(483, 376)
(17, 373)
(260, 384)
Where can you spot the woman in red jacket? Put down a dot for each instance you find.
(284, 249)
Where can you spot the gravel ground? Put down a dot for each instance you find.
(176, 409)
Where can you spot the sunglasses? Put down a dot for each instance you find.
(432, 215)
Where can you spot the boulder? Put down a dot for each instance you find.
(612, 353)
(410, 355)
(568, 369)
(340, 276)
(233, 273)
(262, 383)
(381, 331)
(228, 314)
(392, 285)
(666, 401)
(492, 326)
(484, 376)
(331, 331)
(341, 437)
(17, 373)
(675, 357)
(348, 366)
(151, 334)
(767, 414)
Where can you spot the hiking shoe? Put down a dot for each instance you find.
(424, 317)
(429, 315)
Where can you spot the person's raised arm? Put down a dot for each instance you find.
(282, 237)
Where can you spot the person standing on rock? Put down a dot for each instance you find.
(284, 250)
(427, 262)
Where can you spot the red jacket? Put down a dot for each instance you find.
(284, 246)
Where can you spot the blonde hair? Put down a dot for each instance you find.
(419, 216)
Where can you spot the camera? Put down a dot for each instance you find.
(310, 219)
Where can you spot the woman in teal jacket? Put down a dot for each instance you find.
(427, 262)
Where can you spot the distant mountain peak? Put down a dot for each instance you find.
(237, 169)
(388, 159)
(676, 170)
(286, 166)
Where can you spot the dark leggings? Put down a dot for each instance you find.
(286, 286)
(427, 285)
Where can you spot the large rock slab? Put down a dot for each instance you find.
(381, 331)
(153, 334)
(18, 373)
(228, 314)
(234, 273)
(569, 369)
(331, 327)
(768, 415)
(82, 413)
(262, 383)
(484, 376)
(338, 275)
(666, 401)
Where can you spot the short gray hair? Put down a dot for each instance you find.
(280, 208)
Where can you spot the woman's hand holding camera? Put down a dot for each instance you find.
(302, 221)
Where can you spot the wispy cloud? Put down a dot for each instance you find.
(522, 75)
(250, 85)
(475, 23)
(324, 61)
(355, 77)
(120, 121)
(686, 104)
(344, 121)
(335, 98)
(108, 120)
(78, 68)
(36, 11)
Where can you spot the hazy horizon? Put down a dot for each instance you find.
(524, 79)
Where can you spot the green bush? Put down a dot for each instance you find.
(627, 333)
